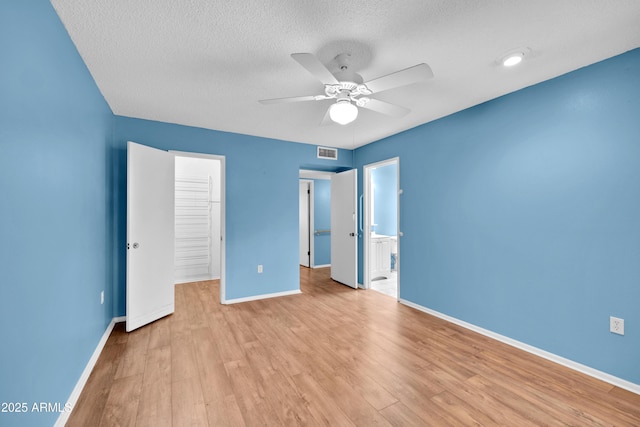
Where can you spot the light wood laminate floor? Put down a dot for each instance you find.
(330, 356)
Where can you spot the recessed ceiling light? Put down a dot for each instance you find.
(512, 59)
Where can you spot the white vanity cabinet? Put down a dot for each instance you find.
(380, 256)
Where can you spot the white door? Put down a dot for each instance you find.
(150, 234)
(344, 240)
(304, 224)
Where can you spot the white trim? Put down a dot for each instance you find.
(263, 296)
(603, 376)
(311, 174)
(311, 216)
(312, 223)
(195, 279)
(322, 266)
(82, 381)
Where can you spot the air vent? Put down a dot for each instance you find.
(327, 153)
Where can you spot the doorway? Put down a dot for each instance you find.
(151, 230)
(381, 227)
(305, 221)
(328, 224)
(199, 218)
(317, 228)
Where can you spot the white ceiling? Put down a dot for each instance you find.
(207, 63)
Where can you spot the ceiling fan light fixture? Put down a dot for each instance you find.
(343, 112)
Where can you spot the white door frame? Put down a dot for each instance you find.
(366, 231)
(311, 226)
(223, 240)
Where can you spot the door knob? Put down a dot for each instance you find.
(136, 245)
(352, 234)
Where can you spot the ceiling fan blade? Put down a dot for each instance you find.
(386, 108)
(404, 77)
(293, 99)
(315, 67)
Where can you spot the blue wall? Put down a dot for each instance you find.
(522, 215)
(261, 195)
(385, 199)
(55, 244)
(322, 221)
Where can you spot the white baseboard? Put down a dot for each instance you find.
(321, 266)
(264, 296)
(184, 280)
(75, 394)
(608, 378)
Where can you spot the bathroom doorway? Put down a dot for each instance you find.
(381, 227)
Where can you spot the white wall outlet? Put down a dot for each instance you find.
(616, 325)
(259, 268)
(102, 297)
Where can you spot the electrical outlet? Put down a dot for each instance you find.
(102, 297)
(616, 325)
(259, 268)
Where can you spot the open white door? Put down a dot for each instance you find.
(304, 224)
(344, 241)
(150, 234)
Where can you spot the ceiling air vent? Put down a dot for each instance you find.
(327, 153)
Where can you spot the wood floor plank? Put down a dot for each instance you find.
(226, 342)
(319, 402)
(205, 349)
(183, 357)
(220, 401)
(399, 415)
(331, 356)
(154, 408)
(359, 411)
(241, 331)
(121, 408)
(93, 399)
(249, 390)
(363, 383)
(288, 405)
(461, 410)
(187, 403)
(160, 333)
(537, 415)
(134, 357)
(196, 315)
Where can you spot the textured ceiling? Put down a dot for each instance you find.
(207, 63)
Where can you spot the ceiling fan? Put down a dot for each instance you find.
(349, 90)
